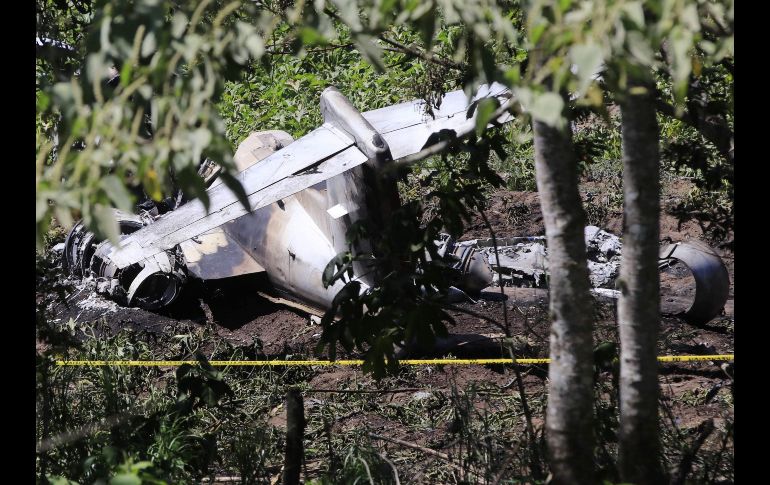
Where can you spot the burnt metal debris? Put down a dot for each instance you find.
(305, 194)
(523, 260)
(524, 263)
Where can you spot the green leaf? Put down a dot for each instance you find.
(488, 64)
(717, 11)
(42, 100)
(145, 91)
(348, 11)
(149, 44)
(484, 112)
(178, 24)
(183, 370)
(547, 108)
(370, 51)
(199, 140)
(512, 76)
(499, 149)
(588, 59)
(96, 67)
(690, 18)
(204, 362)
(209, 396)
(348, 292)
(125, 479)
(192, 184)
(63, 216)
(537, 32)
(125, 74)
(525, 96)
(640, 48)
(681, 43)
(708, 47)
(63, 95)
(336, 268)
(426, 23)
(117, 192)
(255, 45)
(151, 185)
(310, 36)
(141, 465)
(41, 206)
(604, 352)
(106, 225)
(57, 480)
(635, 13)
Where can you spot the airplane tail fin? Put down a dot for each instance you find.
(362, 193)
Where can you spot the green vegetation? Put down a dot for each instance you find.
(197, 77)
(163, 425)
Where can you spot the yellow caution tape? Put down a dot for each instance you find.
(262, 363)
(694, 358)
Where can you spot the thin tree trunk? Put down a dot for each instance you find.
(639, 303)
(295, 429)
(569, 418)
(45, 393)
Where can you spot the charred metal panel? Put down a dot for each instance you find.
(216, 255)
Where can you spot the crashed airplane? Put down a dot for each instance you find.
(304, 195)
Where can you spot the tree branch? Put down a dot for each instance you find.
(329, 47)
(424, 55)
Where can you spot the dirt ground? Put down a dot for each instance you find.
(693, 392)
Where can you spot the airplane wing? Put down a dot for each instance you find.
(406, 127)
(321, 154)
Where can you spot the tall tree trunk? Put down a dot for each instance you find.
(569, 421)
(639, 303)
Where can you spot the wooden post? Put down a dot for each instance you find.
(295, 429)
